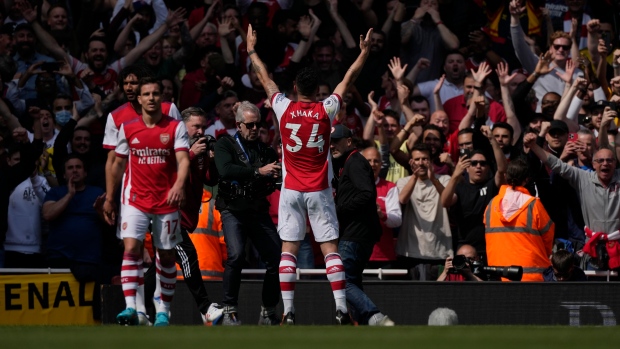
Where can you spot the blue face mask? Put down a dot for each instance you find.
(62, 117)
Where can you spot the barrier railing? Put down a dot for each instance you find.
(379, 272)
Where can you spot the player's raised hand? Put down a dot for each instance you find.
(251, 38)
(365, 42)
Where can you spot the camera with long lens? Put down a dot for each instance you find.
(496, 273)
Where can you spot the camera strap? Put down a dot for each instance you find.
(243, 155)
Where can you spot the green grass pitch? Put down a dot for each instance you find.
(314, 337)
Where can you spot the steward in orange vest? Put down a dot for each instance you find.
(518, 230)
(208, 239)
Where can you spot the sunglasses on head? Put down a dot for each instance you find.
(250, 125)
(475, 163)
(565, 47)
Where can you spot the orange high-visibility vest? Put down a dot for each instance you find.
(524, 239)
(208, 239)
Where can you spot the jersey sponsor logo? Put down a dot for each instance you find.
(164, 138)
(135, 141)
(280, 98)
(483, 191)
(151, 156)
(328, 102)
(304, 113)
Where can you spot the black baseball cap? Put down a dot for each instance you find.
(339, 131)
(558, 125)
(23, 26)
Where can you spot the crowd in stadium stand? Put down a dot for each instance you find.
(490, 126)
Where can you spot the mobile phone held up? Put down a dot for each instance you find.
(573, 137)
(464, 152)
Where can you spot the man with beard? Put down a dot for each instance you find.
(504, 134)
(425, 239)
(96, 72)
(25, 56)
(468, 199)
(426, 36)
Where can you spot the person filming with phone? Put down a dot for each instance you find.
(469, 198)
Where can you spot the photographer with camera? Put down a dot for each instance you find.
(460, 268)
(248, 173)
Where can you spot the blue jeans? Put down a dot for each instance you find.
(305, 256)
(354, 256)
(237, 227)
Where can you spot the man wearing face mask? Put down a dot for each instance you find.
(247, 171)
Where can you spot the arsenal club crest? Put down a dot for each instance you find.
(164, 138)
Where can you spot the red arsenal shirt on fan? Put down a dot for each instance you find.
(305, 128)
(152, 165)
(125, 113)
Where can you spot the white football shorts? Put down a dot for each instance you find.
(166, 227)
(318, 206)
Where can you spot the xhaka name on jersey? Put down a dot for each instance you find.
(304, 113)
(150, 156)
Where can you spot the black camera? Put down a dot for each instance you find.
(495, 273)
(460, 262)
(613, 106)
(206, 139)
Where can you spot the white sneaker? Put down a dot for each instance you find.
(213, 315)
(143, 319)
(380, 320)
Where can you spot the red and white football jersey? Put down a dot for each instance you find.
(305, 128)
(152, 165)
(125, 113)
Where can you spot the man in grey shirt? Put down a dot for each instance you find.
(599, 190)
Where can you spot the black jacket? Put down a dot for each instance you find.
(232, 168)
(356, 199)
